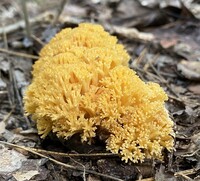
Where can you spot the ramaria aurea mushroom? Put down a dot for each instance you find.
(82, 83)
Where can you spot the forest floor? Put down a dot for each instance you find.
(163, 41)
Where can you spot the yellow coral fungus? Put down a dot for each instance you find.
(82, 83)
(96, 57)
(84, 43)
(84, 36)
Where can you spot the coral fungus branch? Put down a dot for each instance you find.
(82, 83)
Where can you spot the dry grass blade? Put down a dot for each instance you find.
(59, 11)
(147, 179)
(74, 155)
(19, 54)
(60, 163)
(5, 40)
(37, 40)
(8, 115)
(26, 19)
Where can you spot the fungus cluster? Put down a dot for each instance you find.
(82, 83)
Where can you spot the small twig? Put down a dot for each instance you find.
(148, 73)
(19, 54)
(163, 80)
(168, 74)
(148, 62)
(175, 98)
(131, 33)
(60, 163)
(59, 11)
(26, 19)
(74, 155)
(38, 40)
(159, 76)
(5, 39)
(185, 172)
(10, 88)
(137, 61)
(8, 115)
(192, 154)
(147, 179)
(84, 177)
(155, 70)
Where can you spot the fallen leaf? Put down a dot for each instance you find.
(92, 178)
(194, 88)
(167, 43)
(10, 161)
(189, 69)
(22, 176)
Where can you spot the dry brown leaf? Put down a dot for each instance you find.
(10, 161)
(189, 69)
(194, 88)
(167, 43)
(22, 176)
(92, 178)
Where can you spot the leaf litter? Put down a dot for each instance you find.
(170, 57)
